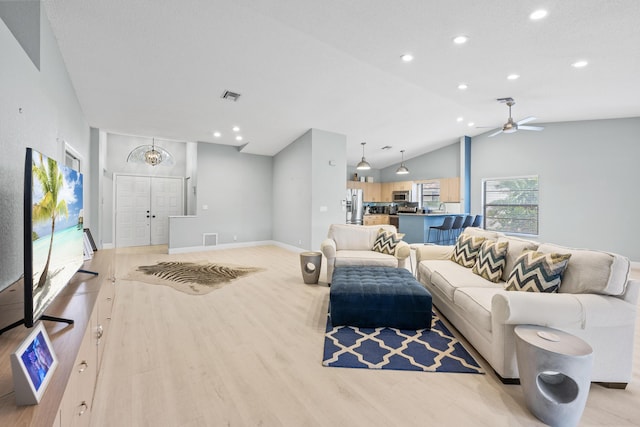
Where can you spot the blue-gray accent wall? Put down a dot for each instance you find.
(588, 173)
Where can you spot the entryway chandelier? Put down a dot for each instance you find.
(151, 155)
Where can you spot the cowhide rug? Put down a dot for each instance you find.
(195, 278)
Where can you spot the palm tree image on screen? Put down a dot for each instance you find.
(48, 208)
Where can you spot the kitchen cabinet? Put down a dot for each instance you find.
(387, 189)
(376, 219)
(450, 190)
(370, 190)
(402, 186)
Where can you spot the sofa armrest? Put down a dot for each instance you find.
(531, 308)
(433, 252)
(578, 311)
(328, 248)
(402, 250)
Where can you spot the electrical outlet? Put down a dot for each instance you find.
(235, 238)
(299, 242)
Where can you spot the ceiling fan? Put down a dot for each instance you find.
(511, 126)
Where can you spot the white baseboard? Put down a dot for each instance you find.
(234, 245)
(107, 246)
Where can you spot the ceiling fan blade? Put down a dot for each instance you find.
(495, 133)
(530, 127)
(526, 120)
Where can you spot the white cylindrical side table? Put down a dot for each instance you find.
(555, 373)
(310, 263)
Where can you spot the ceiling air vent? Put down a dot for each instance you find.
(231, 96)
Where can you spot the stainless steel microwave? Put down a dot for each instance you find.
(401, 196)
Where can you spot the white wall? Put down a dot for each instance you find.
(307, 189)
(38, 109)
(236, 189)
(292, 193)
(588, 176)
(441, 163)
(328, 187)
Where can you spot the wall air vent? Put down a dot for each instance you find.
(231, 96)
(209, 239)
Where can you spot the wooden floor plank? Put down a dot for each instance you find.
(250, 353)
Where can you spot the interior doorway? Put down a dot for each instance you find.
(143, 207)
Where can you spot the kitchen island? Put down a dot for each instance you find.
(415, 226)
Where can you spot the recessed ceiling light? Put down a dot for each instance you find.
(462, 86)
(513, 76)
(460, 39)
(407, 57)
(459, 119)
(238, 138)
(579, 64)
(217, 134)
(470, 124)
(538, 14)
(236, 129)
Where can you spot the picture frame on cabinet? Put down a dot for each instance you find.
(33, 364)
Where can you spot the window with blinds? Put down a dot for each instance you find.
(511, 204)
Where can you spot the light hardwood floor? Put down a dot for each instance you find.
(250, 353)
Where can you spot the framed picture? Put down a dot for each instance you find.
(33, 364)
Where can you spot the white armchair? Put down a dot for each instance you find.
(348, 244)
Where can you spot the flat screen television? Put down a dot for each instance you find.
(53, 232)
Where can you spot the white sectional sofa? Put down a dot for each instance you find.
(596, 301)
(349, 244)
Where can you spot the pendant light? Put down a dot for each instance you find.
(402, 170)
(363, 165)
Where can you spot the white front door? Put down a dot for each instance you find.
(166, 200)
(143, 206)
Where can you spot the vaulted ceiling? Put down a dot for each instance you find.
(159, 68)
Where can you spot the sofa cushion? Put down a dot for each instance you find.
(345, 258)
(538, 272)
(516, 247)
(481, 232)
(386, 242)
(355, 237)
(466, 249)
(592, 271)
(447, 276)
(491, 260)
(476, 303)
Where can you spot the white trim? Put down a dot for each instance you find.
(234, 245)
(108, 246)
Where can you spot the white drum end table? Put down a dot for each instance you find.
(555, 373)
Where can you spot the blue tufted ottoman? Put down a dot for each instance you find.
(378, 296)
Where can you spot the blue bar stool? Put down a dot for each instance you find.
(446, 226)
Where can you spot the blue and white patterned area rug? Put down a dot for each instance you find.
(436, 350)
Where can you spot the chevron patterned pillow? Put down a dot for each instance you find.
(466, 250)
(386, 242)
(537, 272)
(491, 260)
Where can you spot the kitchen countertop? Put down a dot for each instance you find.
(430, 214)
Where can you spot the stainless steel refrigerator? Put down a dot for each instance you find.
(355, 211)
